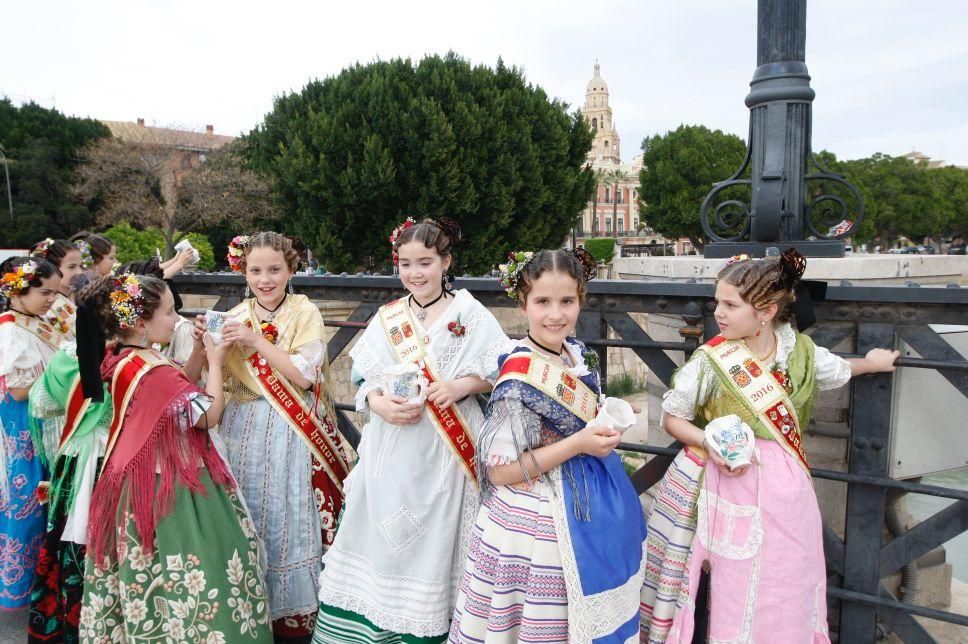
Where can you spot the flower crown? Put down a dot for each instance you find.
(84, 248)
(40, 250)
(127, 300)
(236, 250)
(511, 272)
(395, 235)
(18, 280)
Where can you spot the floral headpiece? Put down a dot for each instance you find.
(40, 250)
(84, 248)
(511, 272)
(395, 235)
(736, 259)
(18, 280)
(236, 250)
(127, 300)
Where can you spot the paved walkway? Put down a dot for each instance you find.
(13, 627)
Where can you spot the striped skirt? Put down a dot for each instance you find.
(513, 587)
(672, 526)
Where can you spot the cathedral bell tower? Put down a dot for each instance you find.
(606, 147)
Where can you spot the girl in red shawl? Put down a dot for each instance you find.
(171, 551)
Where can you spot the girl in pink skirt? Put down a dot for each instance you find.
(753, 524)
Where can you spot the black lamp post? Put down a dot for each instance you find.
(780, 210)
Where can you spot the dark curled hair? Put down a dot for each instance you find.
(553, 261)
(97, 297)
(54, 251)
(150, 267)
(275, 241)
(440, 234)
(44, 270)
(100, 246)
(773, 280)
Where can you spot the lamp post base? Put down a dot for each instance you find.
(814, 248)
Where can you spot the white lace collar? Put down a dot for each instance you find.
(786, 340)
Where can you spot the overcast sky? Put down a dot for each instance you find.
(890, 75)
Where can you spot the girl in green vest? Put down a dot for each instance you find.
(755, 526)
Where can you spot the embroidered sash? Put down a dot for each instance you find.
(124, 383)
(319, 434)
(330, 462)
(40, 328)
(760, 392)
(553, 381)
(401, 333)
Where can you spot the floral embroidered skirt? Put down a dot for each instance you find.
(23, 520)
(202, 583)
(55, 603)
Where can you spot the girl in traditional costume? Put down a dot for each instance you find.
(171, 550)
(392, 574)
(279, 427)
(183, 340)
(98, 254)
(557, 550)
(65, 256)
(27, 342)
(756, 528)
(69, 431)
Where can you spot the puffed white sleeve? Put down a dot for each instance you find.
(831, 371)
(687, 392)
(308, 359)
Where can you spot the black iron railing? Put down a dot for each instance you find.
(864, 316)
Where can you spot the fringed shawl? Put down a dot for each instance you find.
(155, 440)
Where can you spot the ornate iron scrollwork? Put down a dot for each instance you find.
(828, 211)
(728, 220)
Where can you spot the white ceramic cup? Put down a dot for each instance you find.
(214, 323)
(406, 381)
(732, 439)
(182, 245)
(616, 413)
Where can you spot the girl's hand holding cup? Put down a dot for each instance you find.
(596, 440)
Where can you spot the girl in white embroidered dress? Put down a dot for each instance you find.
(394, 567)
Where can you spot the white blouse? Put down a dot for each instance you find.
(23, 357)
(690, 390)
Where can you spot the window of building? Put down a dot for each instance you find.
(608, 226)
(608, 195)
(595, 123)
(621, 225)
(606, 146)
(619, 194)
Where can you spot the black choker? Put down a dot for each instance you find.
(272, 312)
(541, 346)
(422, 313)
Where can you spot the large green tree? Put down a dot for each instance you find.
(678, 169)
(352, 155)
(41, 147)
